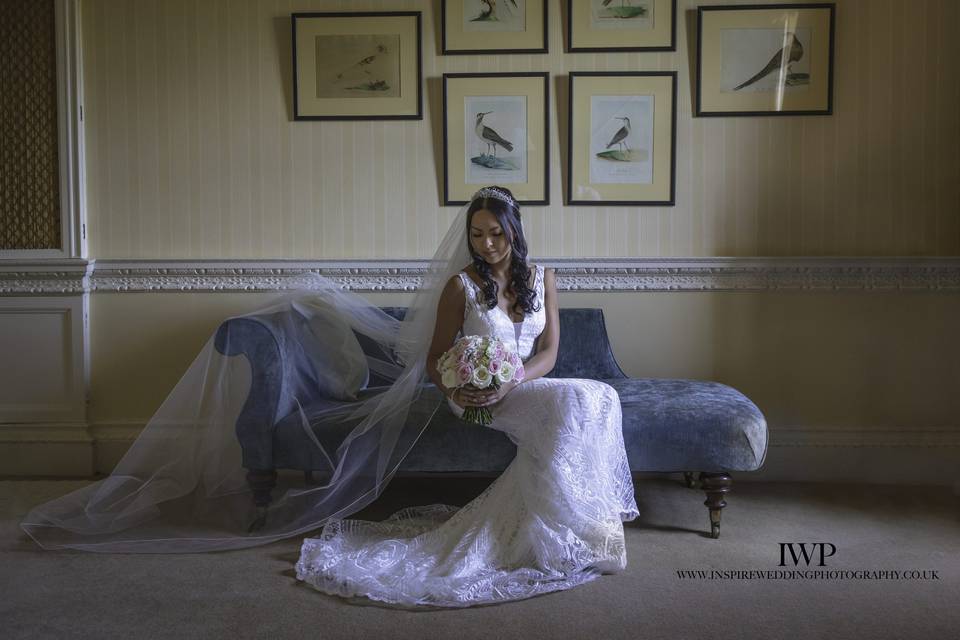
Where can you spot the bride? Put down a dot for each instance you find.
(551, 521)
(554, 518)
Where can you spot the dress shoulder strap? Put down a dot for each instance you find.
(468, 283)
(469, 292)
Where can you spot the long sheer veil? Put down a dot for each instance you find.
(182, 486)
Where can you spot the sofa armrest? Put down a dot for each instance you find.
(259, 340)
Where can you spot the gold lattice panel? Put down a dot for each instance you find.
(29, 175)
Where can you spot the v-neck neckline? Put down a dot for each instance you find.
(499, 308)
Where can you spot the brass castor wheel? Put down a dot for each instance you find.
(714, 530)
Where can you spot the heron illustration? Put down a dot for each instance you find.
(794, 52)
(620, 137)
(490, 137)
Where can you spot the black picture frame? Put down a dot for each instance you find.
(712, 111)
(410, 108)
(446, 38)
(617, 48)
(477, 86)
(574, 121)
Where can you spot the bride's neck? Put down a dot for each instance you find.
(500, 275)
(501, 270)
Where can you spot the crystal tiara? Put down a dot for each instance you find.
(493, 192)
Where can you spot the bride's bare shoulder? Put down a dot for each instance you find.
(455, 290)
(454, 283)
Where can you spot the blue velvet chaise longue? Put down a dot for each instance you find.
(669, 425)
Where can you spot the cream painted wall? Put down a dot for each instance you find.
(192, 151)
(192, 154)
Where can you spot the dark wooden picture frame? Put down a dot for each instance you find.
(714, 88)
(449, 36)
(521, 96)
(605, 93)
(656, 42)
(336, 90)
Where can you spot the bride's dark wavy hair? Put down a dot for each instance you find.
(508, 216)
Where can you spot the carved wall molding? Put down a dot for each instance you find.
(816, 274)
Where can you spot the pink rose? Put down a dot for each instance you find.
(465, 373)
(520, 372)
(494, 366)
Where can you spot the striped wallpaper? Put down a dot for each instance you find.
(192, 151)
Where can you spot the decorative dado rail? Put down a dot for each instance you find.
(59, 277)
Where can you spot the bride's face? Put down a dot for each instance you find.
(488, 238)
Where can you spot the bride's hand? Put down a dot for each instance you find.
(494, 396)
(470, 396)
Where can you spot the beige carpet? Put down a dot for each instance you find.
(254, 593)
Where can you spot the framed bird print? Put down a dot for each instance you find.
(357, 66)
(603, 26)
(621, 138)
(495, 131)
(493, 26)
(765, 60)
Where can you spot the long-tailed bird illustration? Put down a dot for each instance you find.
(620, 137)
(606, 3)
(490, 13)
(794, 52)
(363, 65)
(490, 137)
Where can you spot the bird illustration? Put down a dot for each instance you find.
(363, 65)
(794, 53)
(620, 137)
(490, 137)
(606, 3)
(490, 13)
(486, 14)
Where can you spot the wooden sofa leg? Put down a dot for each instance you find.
(689, 480)
(261, 482)
(715, 485)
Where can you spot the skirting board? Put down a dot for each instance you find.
(877, 456)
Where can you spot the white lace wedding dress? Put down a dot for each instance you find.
(551, 521)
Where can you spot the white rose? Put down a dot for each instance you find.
(449, 378)
(506, 372)
(481, 377)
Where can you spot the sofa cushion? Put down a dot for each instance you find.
(672, 424)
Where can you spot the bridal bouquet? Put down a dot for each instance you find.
(481, 361)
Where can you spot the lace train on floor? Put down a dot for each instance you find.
(551, 521)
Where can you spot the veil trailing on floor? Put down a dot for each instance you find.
(182, 486)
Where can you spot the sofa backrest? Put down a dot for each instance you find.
(584, 345)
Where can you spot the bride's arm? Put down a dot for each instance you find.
(449, 320)
(548, 344)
